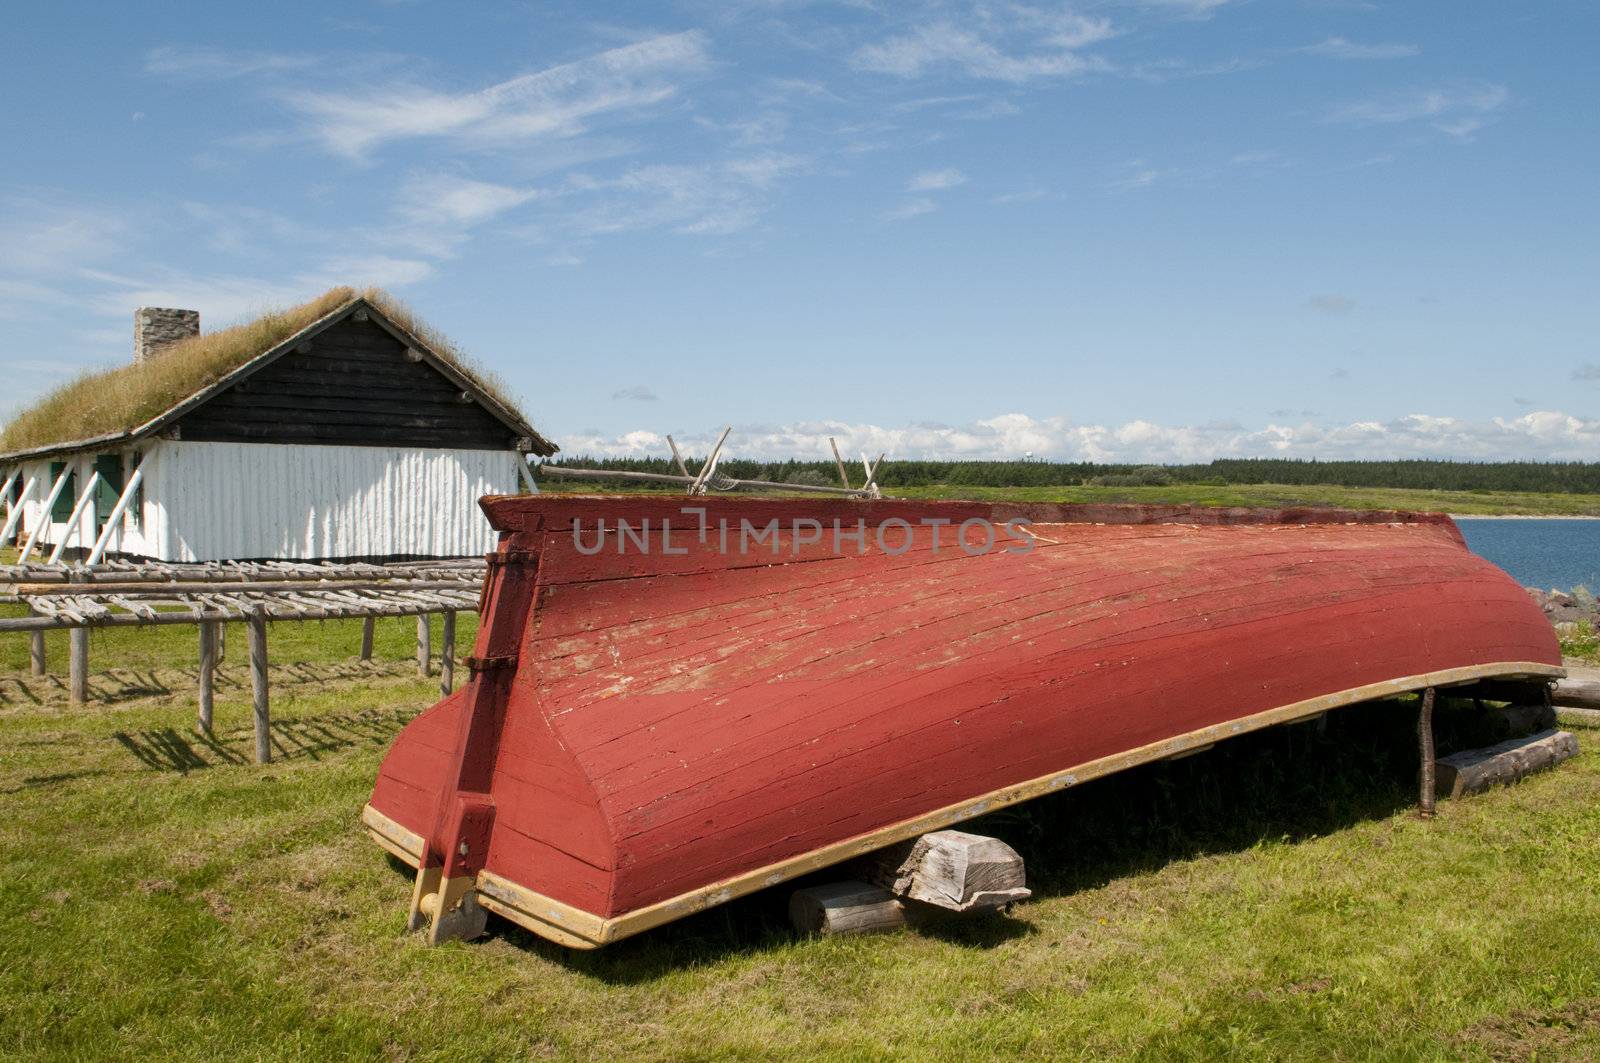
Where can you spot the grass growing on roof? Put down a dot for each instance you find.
(122, 398)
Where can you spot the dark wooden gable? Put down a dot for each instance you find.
(355, 386)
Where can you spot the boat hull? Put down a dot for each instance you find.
(691, 716)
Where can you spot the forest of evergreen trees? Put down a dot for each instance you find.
(1559, 477)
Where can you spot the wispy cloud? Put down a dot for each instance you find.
(1031, 194)
(219, 298)
(1338, 305)
(1197, 9)
(437, 198)
(1588, 372)
(52, 236)
(176, 61)
(384, 271)
(1341, 48)
(250, 230)
(710, 199)
(1163, 70)
(911, 208)
(936, 180)
(1013, 43)
(20, 298)
(1137, 174)
(223, 298)
(1540, 435)
(920, 202)
(1458, 110)
(553, 102)
(635, 393)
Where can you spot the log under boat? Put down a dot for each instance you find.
(677, 701)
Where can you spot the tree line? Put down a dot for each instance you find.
(1556, 477)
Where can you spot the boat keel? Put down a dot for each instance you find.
(449, 907)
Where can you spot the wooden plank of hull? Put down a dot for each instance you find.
(675, 740)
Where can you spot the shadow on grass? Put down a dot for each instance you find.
(1286, 784)
(309, 738)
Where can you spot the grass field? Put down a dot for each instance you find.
(1272, 899)
(1275, 898)
(1486, 503)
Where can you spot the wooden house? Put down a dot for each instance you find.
(341, 429)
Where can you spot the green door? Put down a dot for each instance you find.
(106, 493)
(61, 511)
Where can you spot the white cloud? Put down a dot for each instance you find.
(42, 236)
(1331, 304)
(634, 393)
(911, 208)
(1031, 194)
(1137, 174)
(554, 102)
(1543, 435)
(177, 61)
(22, 298)
(220, 299)
(936, 180)
(225, 299)
(1159, 71)
(712, 199)
(1341, 48)
(360, 271)
(1458, 110)
(1189, 8)
(445, 198)
(237, 229)
(1013, 43)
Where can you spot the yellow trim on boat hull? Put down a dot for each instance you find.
(576, 928)
(403, 843)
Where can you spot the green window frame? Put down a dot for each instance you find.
(61, 512)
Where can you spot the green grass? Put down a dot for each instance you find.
(1580, 642)
(1275, 898)
(1496, 503)
(1486, 503)
(310, 642)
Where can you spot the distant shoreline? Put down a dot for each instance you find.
(1523, 516)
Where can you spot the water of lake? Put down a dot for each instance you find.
(1549, 554)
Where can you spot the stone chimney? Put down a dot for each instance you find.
(155, 328)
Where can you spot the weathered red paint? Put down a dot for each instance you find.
(673, 720)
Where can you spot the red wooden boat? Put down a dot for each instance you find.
(718, 695)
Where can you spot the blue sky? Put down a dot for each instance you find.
(1147, 230)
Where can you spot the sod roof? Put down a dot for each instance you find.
(133, 400)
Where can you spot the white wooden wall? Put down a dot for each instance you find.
(212, 501)
(208, 501)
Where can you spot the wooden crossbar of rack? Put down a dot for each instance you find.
(211, 594)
